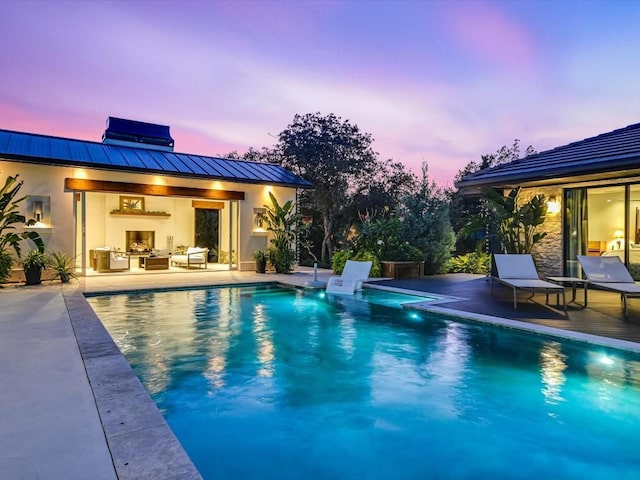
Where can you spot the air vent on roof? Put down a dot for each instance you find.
(137, 134)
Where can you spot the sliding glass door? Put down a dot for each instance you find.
(602, 221)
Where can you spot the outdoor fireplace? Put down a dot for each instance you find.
(140, 241)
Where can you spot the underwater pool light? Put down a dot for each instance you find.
(606, 360)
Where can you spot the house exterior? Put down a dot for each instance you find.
(133, 194)
(593, 191)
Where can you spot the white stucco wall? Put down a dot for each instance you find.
(104, 229)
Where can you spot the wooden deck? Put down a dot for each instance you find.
(602, 317)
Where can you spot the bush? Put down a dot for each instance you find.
(476, 262)
(6, 262)
(340, 258)
(364, 256)
(281, 258)
(62, 266)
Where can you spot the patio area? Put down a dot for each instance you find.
(602, 317)
(78, 387)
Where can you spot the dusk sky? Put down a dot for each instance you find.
(436, 81)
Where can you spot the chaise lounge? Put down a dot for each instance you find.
(519, 272)
(195, 257)
(609, 273)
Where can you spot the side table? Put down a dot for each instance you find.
(573, 282)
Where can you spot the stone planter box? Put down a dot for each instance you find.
(402, 269)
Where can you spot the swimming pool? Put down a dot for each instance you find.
(269, 382)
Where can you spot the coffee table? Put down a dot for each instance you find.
(153, 263)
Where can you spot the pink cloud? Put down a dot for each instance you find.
(483, 30)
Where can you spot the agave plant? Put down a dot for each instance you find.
(62, 267)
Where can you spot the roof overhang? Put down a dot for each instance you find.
(475, 187)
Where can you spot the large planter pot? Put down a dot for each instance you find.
(33, 275)
(261, 266)
(408, 269)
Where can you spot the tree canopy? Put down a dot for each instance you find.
(335, 156)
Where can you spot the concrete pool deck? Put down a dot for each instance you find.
(72, 408)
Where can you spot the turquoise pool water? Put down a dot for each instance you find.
(275, 383)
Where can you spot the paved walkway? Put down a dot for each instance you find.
(49, 423)
(72, 408)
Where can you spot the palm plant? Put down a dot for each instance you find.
(517, 226)
(9, 218)
(281, 221)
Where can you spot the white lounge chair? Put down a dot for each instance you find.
(519, 272)
(195, 257)
(609, 273)
(353, 275)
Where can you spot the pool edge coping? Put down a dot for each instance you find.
(136, 432)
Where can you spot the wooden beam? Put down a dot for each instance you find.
(207, 205)
(79, 184)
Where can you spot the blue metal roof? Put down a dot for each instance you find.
(46, 150)
(609, 155)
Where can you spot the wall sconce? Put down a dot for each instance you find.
(37, 211)
(553, 206)
(259, 218)
(618, 235)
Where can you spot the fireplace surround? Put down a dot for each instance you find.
(140, 241)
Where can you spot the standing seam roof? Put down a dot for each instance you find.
(49, 150)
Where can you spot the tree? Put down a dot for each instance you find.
(335, 156)
(425, 214)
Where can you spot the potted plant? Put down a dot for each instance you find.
(260, 256)
(62, 267)
(33, 263)
(281, 221)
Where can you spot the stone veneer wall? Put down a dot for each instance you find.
(548, 253)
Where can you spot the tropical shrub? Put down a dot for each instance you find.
(475, 262)
(386, 238)
(9, 218)
(339, 260)
(516, 223)
(35, 259)
(6, 262)
(282, 221)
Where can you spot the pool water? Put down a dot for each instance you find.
(277, 383)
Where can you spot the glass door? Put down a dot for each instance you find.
(207, 231)
(594, 224)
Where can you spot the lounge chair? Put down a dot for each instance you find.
(519, 272)
(195, 257)
(353, 275)
(609, 273)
